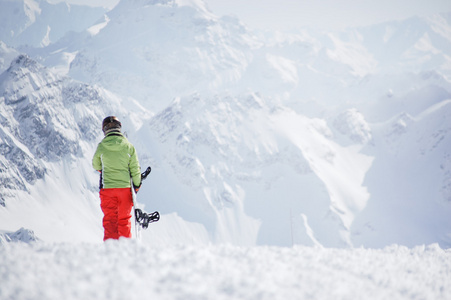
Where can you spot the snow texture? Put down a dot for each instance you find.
(126, 269)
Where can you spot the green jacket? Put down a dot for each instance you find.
(117, 159)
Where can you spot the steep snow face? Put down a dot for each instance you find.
(409, 180)
(49, 127)
(37, 23)
(31, 113)
(253, 172)
(156, 50)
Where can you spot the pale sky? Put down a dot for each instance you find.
(317, 14)
(324, 14)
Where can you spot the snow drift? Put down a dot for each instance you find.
(126, 269)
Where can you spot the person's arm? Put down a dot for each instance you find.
(135, 169)
(96, 161)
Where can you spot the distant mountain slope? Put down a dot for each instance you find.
(37, 23)
(51, 114)
(157, 50)
(262, 172)
(409, 181)
(49, 128)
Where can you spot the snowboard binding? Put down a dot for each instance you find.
(145, 173)
(144, 219)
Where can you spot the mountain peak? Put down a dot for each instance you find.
(24, 61)
(38, 23)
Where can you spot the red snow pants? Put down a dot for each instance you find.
(116, 205)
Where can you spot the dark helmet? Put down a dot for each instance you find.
(111, 123)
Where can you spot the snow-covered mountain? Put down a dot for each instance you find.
(156, 50)
(338, 139)
(49, 126)
(38, 23)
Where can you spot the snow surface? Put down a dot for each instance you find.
(127, 269)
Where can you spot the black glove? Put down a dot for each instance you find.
(136, 188)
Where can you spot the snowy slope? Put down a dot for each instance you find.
(419, 147)
(129, 270)
(49, 125)
(254, 166)
(157, 50)
(338, 139)
(37, 23)
(7, 55)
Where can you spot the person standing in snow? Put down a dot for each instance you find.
(117, 161)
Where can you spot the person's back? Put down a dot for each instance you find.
(113, 157)
(116, 160)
